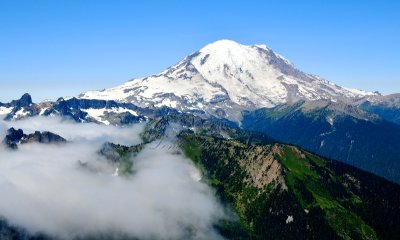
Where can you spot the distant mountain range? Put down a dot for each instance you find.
(335, 130)
(257, 89)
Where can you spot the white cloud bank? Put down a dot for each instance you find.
(73, 131)
(44, 189)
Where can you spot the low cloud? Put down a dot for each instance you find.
(45, 189)
(73, 131)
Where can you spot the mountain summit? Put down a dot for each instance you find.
(224, 77)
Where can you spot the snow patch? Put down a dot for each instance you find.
(361, 92)
(5, 110)
(98, 114)
(20, 114)
(330, 120)
(42, 111)
(289, 219)
(168, 103)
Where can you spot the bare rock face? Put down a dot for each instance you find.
(21, 108)
(15, 137)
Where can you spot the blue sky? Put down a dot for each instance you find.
(62, 48)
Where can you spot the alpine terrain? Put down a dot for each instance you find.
(231, 81)
(232, 142)
(224, 78)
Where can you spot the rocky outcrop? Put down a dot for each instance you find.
(15, 137)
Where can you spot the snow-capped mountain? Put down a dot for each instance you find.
(224, 77)
(17, 109)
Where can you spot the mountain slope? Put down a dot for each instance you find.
(388, 107)
(21, 108)
(338, 131)
(282, 192)
(223, 78)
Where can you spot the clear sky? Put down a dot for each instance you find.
(60, 48)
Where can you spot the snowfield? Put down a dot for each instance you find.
(227, 74)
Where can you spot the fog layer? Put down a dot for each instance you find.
(43, 188)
